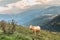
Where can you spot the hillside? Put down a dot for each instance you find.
(23, 33)
(46, 23)
(54, 24)
(19, 32)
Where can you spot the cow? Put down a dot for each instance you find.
(35, 28)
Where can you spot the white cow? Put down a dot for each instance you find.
(35, 28)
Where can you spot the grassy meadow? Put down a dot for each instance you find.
(23, 33)
(11, 31)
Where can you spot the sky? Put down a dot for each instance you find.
(17, 6)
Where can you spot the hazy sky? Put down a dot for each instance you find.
(16, 6)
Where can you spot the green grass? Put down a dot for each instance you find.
(23, 33)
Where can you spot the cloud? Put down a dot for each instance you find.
(44, 1)
(20, 4)
(4, 2)
(1, 0)
(23, 4)
(56, 2)
(2, 9)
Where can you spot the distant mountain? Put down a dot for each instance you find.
(54, 24)
(52, 10)
(39, 20)
(38, 13)
(34, 12)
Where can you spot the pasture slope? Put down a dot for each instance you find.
(23, 33)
